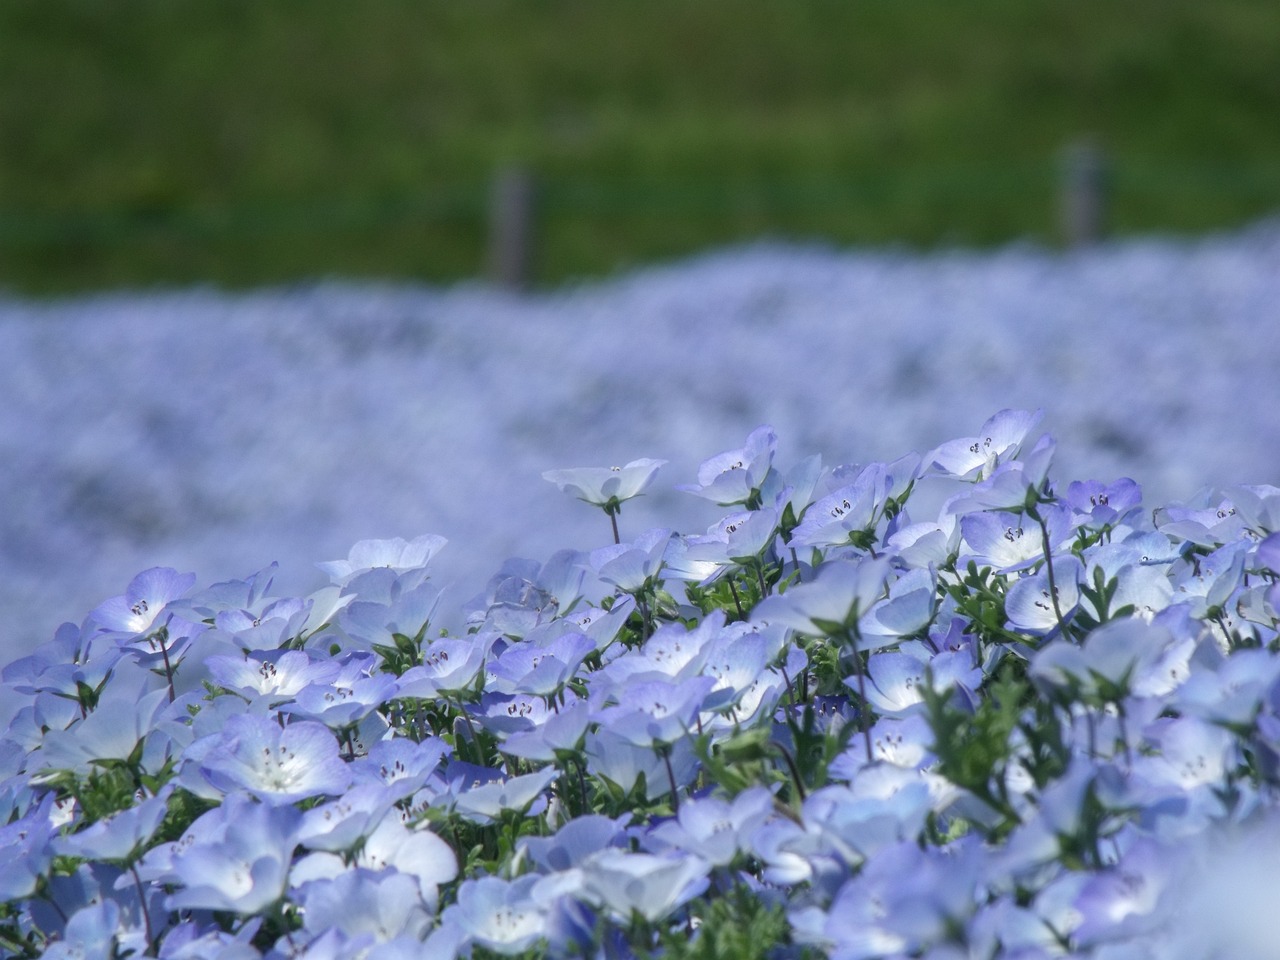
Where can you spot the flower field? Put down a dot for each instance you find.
(939, 705)
(217, 432)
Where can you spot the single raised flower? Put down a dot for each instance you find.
(606, 487)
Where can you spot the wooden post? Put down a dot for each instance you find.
(512, 198)
(1083, 197)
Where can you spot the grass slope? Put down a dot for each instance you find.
(244, 141)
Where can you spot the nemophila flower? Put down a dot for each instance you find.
(247, 593)
(650, 885)
(360, 901)
(847, 513)
(905, 742)
(882, 805)
(524, 594)
(713, 829)
(485, 802)
(974, 458)
(1143, 588)
(1106, 665)
(277, 765)
(1207, 520)
(1012, 485)
(735, 662)
(1226, 690)
(542, 669)
(740, 538)
(650, 712)
(1124, 901)
(601, 625)
(503, 714)
(632, 567)
(559, 732)
(91, 932)
(164, 650)
(1192, 756)
(481, 794)
(1007, 542)
(26, 850)
(240, 861)
(898, 681)
(906, 895)
(925, 544)
(449, 665)
(1103, 504)
(1209, 581)
(192, 941)
(398, 555)
(674, 652)
(125, 717)
(736, 476)
(274, 625)
(373, 623)
(273, 677)
(390, 847)
(575, 841)
(499, 915)
(698, 559)
(401, 764)
(121, 836)
(342, 824)
(831, 604)
(346, 699)
(620, 760)
(1037, 606)
(136, 610)
(909, 608)
(606, 487)
(754, 700)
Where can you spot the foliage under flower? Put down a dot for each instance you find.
(1037, 723)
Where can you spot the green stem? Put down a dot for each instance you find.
(1048, 564)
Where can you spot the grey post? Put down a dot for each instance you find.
(512, 199)
(1083, 198)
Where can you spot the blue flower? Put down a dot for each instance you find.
(91, 932)
(606, 487)
(271, 678)
(833, 603)
(359, 902)
(241, 861)
(644, 883)
(998, 440)
(737, 476)
(632, 567)
(121, 837)
(398, 555)
(499, 915)
(136, 610)
(277, 765)
(575, 841)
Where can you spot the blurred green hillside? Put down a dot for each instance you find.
(251, 141)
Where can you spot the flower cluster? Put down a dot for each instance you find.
(1038, 722)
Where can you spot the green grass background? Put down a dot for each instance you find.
(250, 141)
